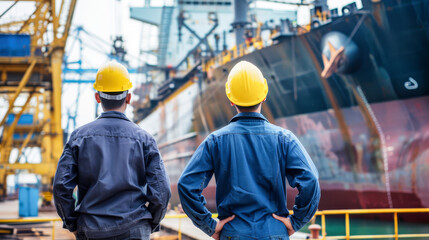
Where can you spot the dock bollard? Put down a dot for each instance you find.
(314, 231)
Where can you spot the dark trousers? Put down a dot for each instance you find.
(141, 232)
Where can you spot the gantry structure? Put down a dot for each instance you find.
(30, 85)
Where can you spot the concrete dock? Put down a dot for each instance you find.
(43, 231)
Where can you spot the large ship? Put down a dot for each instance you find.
(354, 89)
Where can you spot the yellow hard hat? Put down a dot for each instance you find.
(246, 86)
(112, 77)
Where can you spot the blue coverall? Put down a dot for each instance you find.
(123, 188)
(251, 160)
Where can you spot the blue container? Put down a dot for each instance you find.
(28, 202)
(15, 45)
(25, 119)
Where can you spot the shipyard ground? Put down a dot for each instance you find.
(43, 231)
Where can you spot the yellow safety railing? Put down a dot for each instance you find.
(347, 214)
(322, 214)
(33, 220)
(233, 53)
(179, 217)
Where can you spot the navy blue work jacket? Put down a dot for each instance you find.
(251, 160)
(120, 176)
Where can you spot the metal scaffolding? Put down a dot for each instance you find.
(36, 77)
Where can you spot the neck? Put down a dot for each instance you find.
(248, 111)
(121, 109)
(258, 110)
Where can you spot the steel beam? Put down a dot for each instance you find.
(46, 15)
(26, 141)
(68, 23)
(54, 113)
(46, 146)
(91, 70)
(37, 168)
(6, 146)
(88, 81)
(21, 85)
(8, 132)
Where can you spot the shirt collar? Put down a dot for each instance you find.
(113, 114)
(248, 115)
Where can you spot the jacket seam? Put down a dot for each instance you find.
(105, 135)
(235, 133)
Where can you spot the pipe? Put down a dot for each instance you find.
(240, 20)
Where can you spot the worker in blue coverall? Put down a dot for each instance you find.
(123, 189)
(250, 158)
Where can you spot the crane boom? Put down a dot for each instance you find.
(31, 70)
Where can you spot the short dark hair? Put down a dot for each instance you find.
(249, 109)
(112, 104)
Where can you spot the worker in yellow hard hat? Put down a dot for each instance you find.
(251, 159)
(246, 87)
(123, 189)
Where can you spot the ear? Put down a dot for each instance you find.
(128, 98)
(232, 104)
(97, 97)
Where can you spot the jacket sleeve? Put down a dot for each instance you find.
(158, 185)
(66, 178)
(194, 179)
(301, 173)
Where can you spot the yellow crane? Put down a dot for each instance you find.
(31, 83)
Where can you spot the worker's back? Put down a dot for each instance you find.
(112, 158)
(251, 160)
(123, 190)
(250, 168)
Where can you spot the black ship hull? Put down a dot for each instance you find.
(366, 126)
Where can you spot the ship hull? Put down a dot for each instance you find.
(366, 128)
(406, 128)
